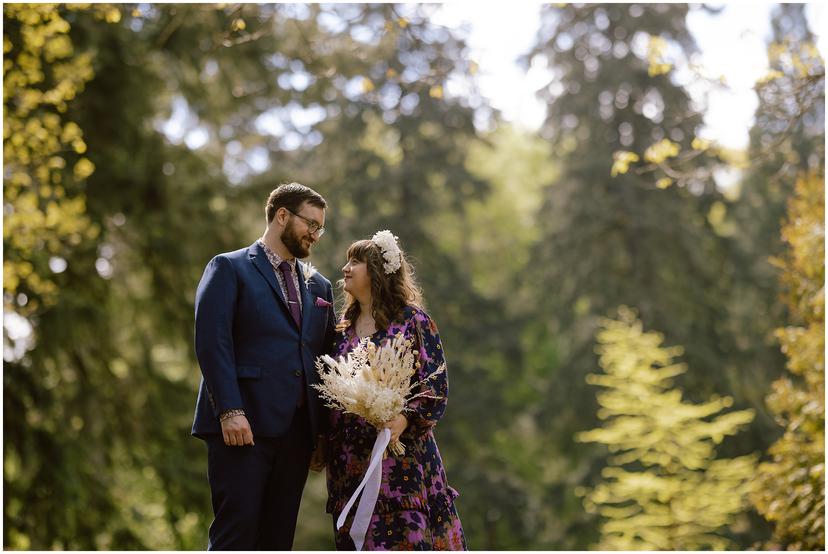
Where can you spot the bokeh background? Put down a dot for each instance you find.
(633, 313)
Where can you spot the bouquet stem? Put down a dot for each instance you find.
(397, 448)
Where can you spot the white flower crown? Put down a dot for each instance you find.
(387, 242)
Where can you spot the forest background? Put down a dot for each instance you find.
(636, 351)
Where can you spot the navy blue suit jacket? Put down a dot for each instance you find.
(251, 352)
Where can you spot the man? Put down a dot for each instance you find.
(261, 319)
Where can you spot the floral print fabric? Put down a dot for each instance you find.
(415, 509)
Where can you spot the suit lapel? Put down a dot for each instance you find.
(260, 261)
(307, 303)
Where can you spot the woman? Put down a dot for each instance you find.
(415, 509)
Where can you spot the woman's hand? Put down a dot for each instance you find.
(397, 426)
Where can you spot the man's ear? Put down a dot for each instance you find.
(281, 216)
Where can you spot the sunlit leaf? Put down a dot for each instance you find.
(83, 169)
(661, 150)
(621, 162)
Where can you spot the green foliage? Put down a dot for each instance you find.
(663, 488)
(45, 169)
(605, 241)
(517, 166)
(791, 485)
(787, 149)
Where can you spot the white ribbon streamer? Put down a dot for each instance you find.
(371, 483)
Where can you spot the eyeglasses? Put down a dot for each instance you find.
(313, 226)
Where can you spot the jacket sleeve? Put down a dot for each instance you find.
(425, 412)
(214, 312)
(328, 345)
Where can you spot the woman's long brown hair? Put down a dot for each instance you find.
(390, 293)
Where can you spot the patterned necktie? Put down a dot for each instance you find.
(293, 302)
(293, 296)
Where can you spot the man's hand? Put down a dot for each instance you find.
(397, 426)
(318, 459)
(236, 431)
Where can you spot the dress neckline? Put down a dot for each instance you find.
(354, 334)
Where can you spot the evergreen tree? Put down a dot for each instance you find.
(608, 240)
(663, 488)
(788, 135)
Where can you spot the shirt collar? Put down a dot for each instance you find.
(274, 258)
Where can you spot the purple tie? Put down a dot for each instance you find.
(293, 296)
(293, 302)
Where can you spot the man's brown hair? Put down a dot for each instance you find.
(292, 196)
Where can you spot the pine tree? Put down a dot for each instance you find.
(608, 240)
(789, 130)
(663, 488)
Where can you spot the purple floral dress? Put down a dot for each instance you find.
(415, 509)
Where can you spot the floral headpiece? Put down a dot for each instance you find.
(387, 242)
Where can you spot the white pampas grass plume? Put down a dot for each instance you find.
(373, 382)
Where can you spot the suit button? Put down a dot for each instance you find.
(297, 373)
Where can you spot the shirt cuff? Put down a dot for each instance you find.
(227, 414)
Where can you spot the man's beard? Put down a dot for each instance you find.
(293, 242)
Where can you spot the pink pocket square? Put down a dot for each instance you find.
(322, 303)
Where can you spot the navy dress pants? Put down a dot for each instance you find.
(256, 490)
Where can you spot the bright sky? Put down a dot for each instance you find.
(733, 43)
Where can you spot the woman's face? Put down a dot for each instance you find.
(357, 280)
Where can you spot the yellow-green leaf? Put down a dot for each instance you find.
(621, 162)
(661, 150)
(83, 169)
